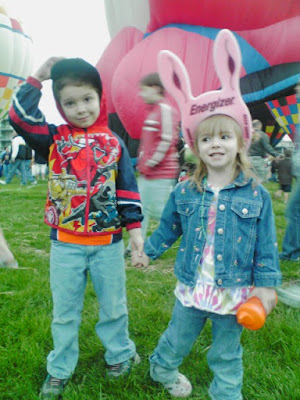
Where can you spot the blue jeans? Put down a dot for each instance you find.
(28, 170)
(154, 195)
(224, 357)
(291, 240)
(69, 267)
(14, 166)
(6, 168)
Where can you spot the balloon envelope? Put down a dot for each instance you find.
(15, 60)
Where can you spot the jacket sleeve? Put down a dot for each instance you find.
(128, 197)
(27, 120)
(168, 231)
(266, 262)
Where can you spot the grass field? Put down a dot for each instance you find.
(271, 355)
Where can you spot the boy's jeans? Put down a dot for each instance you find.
(69, 265)
(154, 195)
(224, 357)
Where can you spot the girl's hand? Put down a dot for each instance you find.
(267, 296)
(138, 260)
(43, 73)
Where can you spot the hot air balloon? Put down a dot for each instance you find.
(15, 61)
(269, 43)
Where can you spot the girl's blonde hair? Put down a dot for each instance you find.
(219, 123)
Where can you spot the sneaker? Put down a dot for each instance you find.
(123, 368)
(181, 388)
(53, 388)
(285, 258)
(2, 182)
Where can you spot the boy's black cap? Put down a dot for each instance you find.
(76, 68)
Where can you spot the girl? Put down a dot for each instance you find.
(228, 243)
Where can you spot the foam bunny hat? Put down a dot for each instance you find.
(226, 101)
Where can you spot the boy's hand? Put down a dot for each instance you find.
(43, 73)
(138, 260)
(136, 240)
(267, 296)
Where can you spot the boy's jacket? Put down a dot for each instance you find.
(92, 188)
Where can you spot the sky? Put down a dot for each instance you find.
(64, 28)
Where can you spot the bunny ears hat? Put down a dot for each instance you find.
(226, 101)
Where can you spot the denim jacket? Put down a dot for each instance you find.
(245, 248)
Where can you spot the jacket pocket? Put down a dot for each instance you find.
(186, 209)
(246, 210)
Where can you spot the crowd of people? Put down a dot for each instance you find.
(220, 209)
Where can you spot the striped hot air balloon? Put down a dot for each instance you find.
(15, 61)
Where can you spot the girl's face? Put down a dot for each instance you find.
(150, 94)
(80, 104)
(218, 149)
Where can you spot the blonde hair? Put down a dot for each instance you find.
(219, 123)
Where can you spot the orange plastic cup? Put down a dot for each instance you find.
(252, 314)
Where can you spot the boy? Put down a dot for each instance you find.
(92, 194)
(158, 156)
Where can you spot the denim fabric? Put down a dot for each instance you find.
(69, 267)
(154, 195)
(29, 176)
(291, 240)
(6, 168)
(245, 251)
(224, 357)
(14, 166)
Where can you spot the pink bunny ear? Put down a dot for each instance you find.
(176, 81)
(227, 101)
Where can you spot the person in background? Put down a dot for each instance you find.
(5, 160)
(92, 195)
(39, 168)
(273, 169)
(158, 163)
(285, 177)
(258, 150)
(17, 160)
(28, 164)
(291, 240)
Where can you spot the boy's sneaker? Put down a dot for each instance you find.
(123, 368)
(181, 388)
(53, 388)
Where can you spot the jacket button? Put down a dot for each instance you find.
(219, 257)
(220, 231)
(245, 211)
(219, 282)
(222, 207)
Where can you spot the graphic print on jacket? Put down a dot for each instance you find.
(82, 181)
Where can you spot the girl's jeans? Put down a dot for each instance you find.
(69, 266)
(224, 357)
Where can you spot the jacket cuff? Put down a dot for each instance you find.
(34, 82)
(133, 225)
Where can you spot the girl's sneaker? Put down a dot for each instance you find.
(53, 388)
(123, 368)
(181, 388)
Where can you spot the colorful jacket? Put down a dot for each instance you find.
(158, 155)
(92, 188)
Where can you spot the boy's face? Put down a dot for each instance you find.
(150, 94)
(81, 104)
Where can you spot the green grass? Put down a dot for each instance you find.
(271, 355)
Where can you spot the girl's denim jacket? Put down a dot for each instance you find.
(245, 248)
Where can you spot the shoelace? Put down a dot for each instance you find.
(114, 367)
(55, 381)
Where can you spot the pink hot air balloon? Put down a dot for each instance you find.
(141, 28)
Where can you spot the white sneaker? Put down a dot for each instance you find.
(181, 388)
(2, 182)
